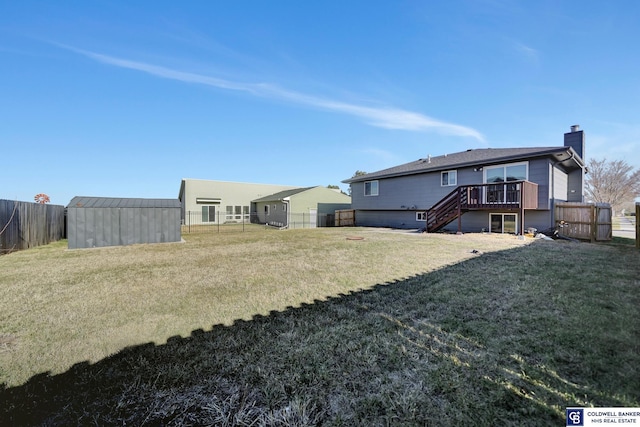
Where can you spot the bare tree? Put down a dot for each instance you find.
(614, 182)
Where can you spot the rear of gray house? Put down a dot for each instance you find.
(503, 190)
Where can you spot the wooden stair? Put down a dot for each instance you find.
(509, 196)
(445, 211)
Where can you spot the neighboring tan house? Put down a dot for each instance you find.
(504, 190)
(301, 207)
(219, 202)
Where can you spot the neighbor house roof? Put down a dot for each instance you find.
(473, 157)
(282, 194)
(120, 202)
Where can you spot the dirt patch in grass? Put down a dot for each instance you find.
(7, 342)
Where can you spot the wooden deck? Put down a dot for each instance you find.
(514, 195)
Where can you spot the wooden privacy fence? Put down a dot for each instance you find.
(25, 225)
(586, 221)
(345, 218)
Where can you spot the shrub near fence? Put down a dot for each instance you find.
(25, 225)
(220, 222)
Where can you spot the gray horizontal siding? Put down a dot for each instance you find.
(475, 222)
(472, 222)
(391, 219)
(420, 191)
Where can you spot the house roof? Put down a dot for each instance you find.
(282, 194)
(475, 157)
(120, 202)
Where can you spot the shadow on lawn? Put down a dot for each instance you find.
(413, 352)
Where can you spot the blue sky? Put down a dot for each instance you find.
(124, 99)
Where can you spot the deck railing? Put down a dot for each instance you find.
(511, 195)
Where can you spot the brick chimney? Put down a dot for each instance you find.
(575, 140)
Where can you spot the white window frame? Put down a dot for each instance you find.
(208, 209)
(373, 185)
(450, 182)
(504, 182)
(504, 167)
(421, 216)
(503, 214)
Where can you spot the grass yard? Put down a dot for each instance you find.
(308, 327)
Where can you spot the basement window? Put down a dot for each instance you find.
(421, 216)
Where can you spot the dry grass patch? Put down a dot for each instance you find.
(395, 329)
(69, 306)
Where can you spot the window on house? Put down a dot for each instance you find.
(266, 209)
(238, 212)
(284, 207)
(506, 173)
(449, 178)
(421, 216)
(503, 223)
(504, 189)
(245, 212)
(371, 188)
(229, 213)
(208, 214)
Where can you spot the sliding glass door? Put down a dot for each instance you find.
(503, 223)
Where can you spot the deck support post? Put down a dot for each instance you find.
(459, 203)
(522, 199)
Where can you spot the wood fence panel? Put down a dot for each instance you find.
(603, 222)
(345, 218)
(25, 225)
(584, 221)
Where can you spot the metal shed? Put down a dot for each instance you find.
(105, 221)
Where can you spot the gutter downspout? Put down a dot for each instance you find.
(287, 203)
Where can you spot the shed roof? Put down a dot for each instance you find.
(121, 202)
(481, 156)
(282, 194)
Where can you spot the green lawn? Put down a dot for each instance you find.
(309, 327)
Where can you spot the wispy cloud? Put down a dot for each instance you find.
(384, 117)
(527, 52)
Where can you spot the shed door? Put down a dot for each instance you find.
(313, 218)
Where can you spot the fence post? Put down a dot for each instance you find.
(637, 225)
(594, 222)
